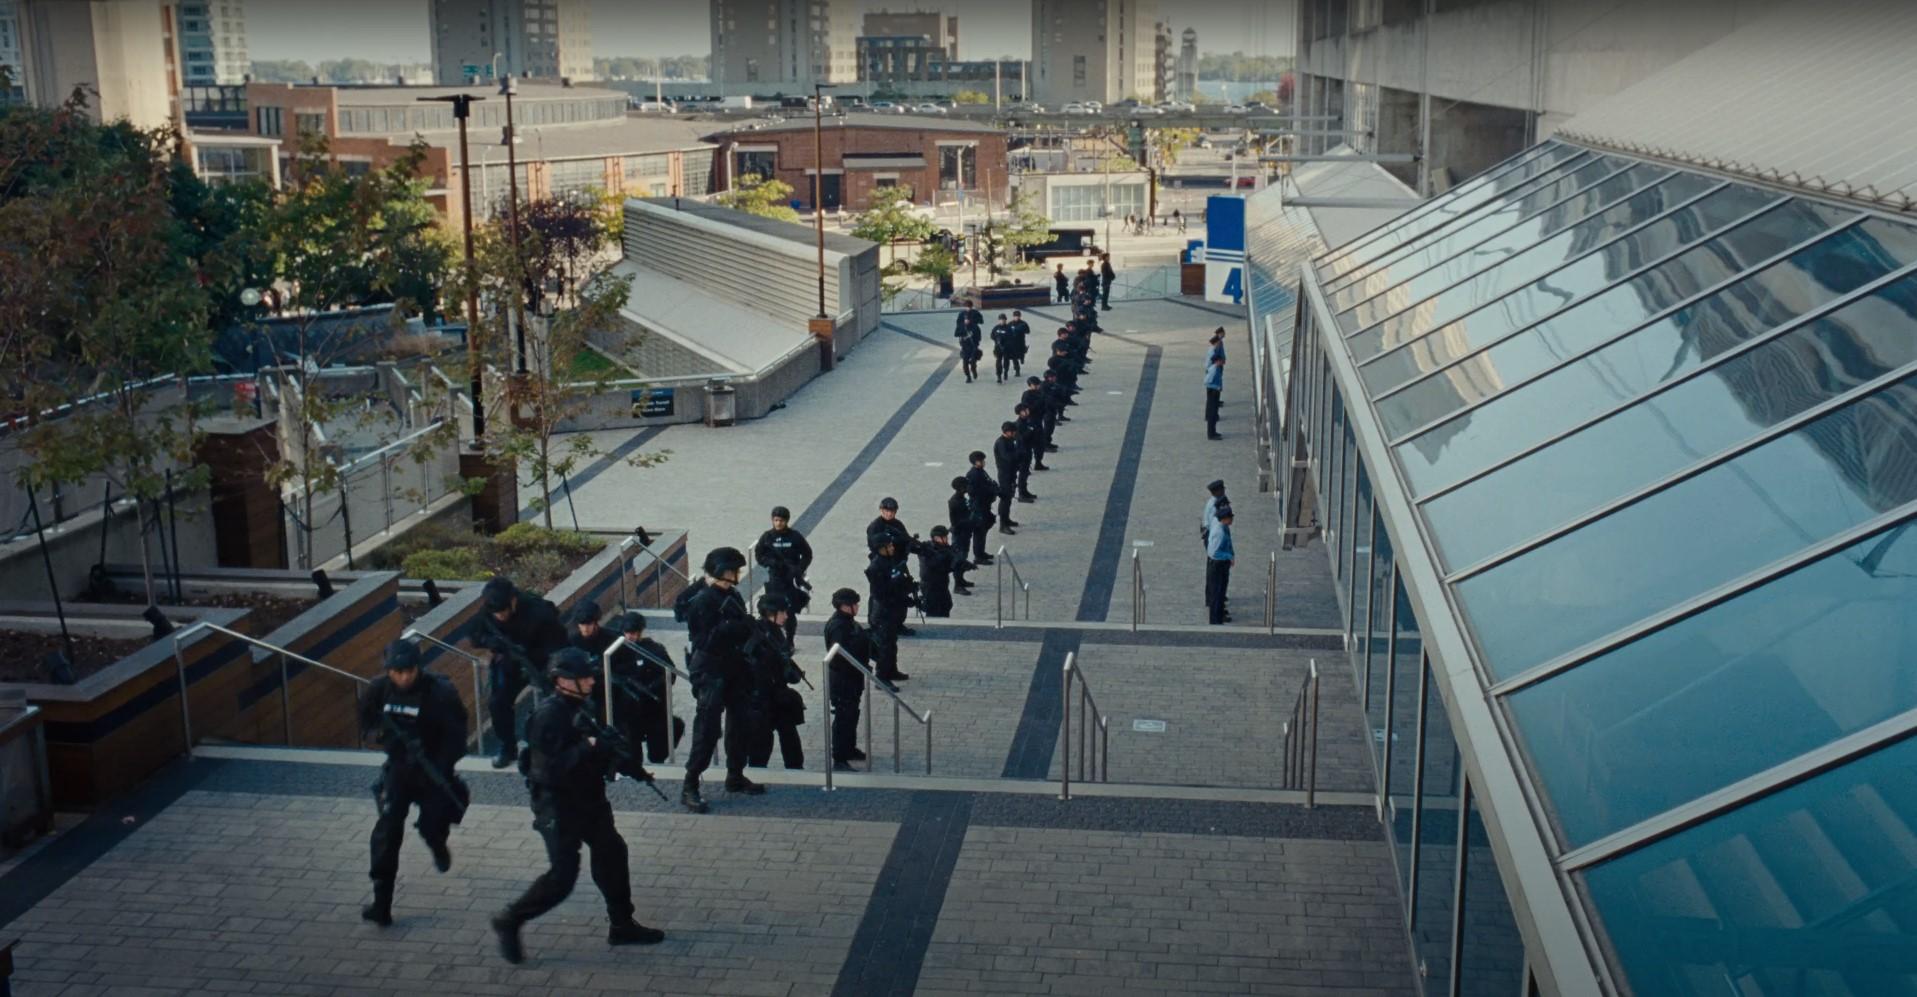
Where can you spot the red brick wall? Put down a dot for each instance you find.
(796, 154)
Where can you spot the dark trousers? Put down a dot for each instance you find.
(1064, 293)
(1212, 401)
(1001, 365)
(1217, 581)
(1105, 292)
(962, 537)
(885, 640)
(712, 708)
(400, 787)
(1025, 476)
(564, 835)
(847, 692)
(979, 531)
(1007, 489)
(647, 726)
(791, 748)
(935, 597)
(508, 681)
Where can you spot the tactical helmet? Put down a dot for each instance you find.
(1008, 427)
(958, 484)
(628, 622)
(498, 594)
(781, 512)
(571, 663)
(402, 655)
(845, 597)
(586, 611)
(941, 531)
(889, 502)
(723, 559)
(770, 605)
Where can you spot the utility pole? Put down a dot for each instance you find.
(507, 88)
(822, 326)
(462, 109)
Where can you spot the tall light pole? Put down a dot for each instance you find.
(822, 326)
(462, 109)
(507, 88)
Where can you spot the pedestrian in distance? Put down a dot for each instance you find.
(1218, 554)
(418, 720)
(570, 757)
(1019, 330)
(1209, 518)
(1214, 396)
(969, 333)
(1105, 277)
(846, 688)
(1062, 283)
(1001, 349)
(521, 631)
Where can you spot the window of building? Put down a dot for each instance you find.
(310, 122)
(958, 167)
(1078, 70)
(271, 122)
(760, 164)
(657, 165)
(697, 174)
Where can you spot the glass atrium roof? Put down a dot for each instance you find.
(1660, 430)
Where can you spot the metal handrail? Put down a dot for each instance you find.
(1271, 595)
(658, 590)
(286, 696)
(1300, 768)
(998, 596)
(1138, 591)
(898, 703)
(605, 663)
(479, 693)
(1101, 750)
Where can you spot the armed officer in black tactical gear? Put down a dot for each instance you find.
(904, 544)
(847, 687)
(522, 631)
(642, 679)
(570, 758)
(417, 718)
(942, 569)
(587, 634)
(891, 587)
(783, 552)
(982, 492)
(776, 707)
(717, 623)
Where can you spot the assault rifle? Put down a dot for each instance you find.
(456, 792)
(616, 744)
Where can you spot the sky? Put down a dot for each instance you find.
(395, 30)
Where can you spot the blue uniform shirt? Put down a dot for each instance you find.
(1215, 377)
(1218, 547)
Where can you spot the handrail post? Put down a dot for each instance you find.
(895, 737)
(286, 701)
(869, 746)
(825, 710)
(1083, 695)
(479, 712)
(1271, 596)
(186, 711)
(672, 742)
(1311, 785)
(605, 680)
(1105, 749)
(928, 742)
(1135, 596)
(998, 589)
(1065, 766)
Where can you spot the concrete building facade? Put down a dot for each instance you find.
(212, 42)
(1492, 76)
(15, 89)
(934, 158)
(1164, 63)
(541, 39)
(938, 30)
(114, 47)
(1187, 84)
(784, 43)
(1103, 50)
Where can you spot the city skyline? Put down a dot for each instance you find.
(397, 32)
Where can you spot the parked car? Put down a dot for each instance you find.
(1096, 107)
(1145, 111)
(654, 107)
(929, 109)
(1234, 109)
(1075, 107)
(885, 107)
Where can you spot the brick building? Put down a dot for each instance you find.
(933, 157)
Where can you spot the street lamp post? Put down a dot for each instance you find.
(508, 88)
(462, 109)
(822, 326)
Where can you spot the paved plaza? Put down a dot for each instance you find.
(1193, 869)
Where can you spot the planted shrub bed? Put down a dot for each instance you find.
(532, 556)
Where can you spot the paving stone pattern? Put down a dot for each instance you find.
(1042, 911)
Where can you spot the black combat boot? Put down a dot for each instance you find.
(690, 799)
(380, 911)
(631, 932)
(741, 784)
(506, 927)
(506, 757)
(442, 855)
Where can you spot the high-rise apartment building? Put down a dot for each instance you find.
(1187, 84)
(1164, 63)
(780, 43)
(540, 39)
(113, 47)
(940, 32)
(14, 89)
(1101, 50)
(212, 42)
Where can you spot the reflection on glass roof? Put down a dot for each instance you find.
(1661, 433)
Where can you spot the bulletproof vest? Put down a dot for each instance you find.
(782, 546)
(404, 707)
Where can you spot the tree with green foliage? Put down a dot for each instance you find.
(1025, 225)
(891, 220)
(103, 304)
(756, 195)
(971, 97)
(936, 262)
(1167, 143)
(282, 71)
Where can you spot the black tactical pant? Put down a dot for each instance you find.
(1217, 580)
(714, 707)
(1025, 476)
(848, 690)
(884, 623)
(782, 719)
(935, 597)
(782, 584)
(565, 829)
(1007, 490)
(649, 728)
(508, 681)
(399, 789)
(961, 537)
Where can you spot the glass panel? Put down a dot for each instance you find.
(1728, 404)
(1679, 342)
(1487, 220)
(1377, 647)
(1806, 891)
(1587, 275)
(1334, 476)
(1820, 653)
(1355, 542)
(1588, 205)
(1528, 265)
(1437, 855)
(1490, 950)
(1496, 220)
(1407, 652)
(1828, 476)
(1443, 209)
(1587, 324)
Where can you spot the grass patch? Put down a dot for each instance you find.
(534, 557)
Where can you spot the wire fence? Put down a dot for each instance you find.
(375, 492)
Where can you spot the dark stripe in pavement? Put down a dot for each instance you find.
(815, 513)
(596, 468)
(921, 337)
(888, 950)
(68, 855)
(1237, 314)
(1036, 739)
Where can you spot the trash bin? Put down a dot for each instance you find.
(722, 403)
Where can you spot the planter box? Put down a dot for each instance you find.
(26, 789)
(1016, 296)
